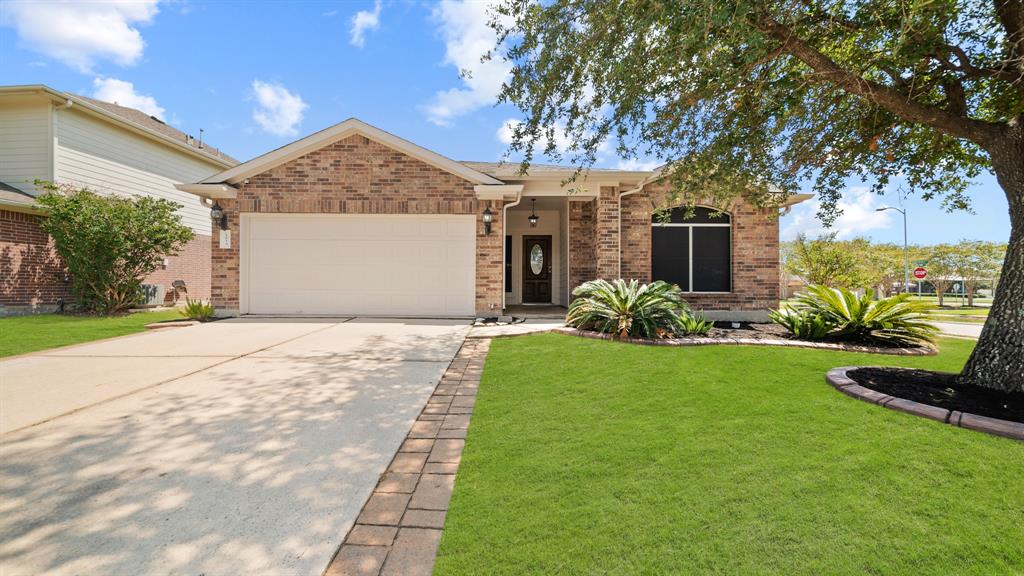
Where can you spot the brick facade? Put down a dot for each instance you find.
(755, 253)
(582, 243)
(607, 229)
(192, 264)
(30, 273)
(357, 175)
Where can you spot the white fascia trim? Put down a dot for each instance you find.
(209, 190)
(498, 191)
(337, 132)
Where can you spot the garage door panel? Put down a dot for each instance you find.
(358, 264)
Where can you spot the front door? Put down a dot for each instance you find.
(537, 269)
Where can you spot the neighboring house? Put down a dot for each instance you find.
(69, 139)
(353, 220)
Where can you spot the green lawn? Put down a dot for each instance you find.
(591, 457)
(22, 334)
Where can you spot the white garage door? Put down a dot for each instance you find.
(394, 265)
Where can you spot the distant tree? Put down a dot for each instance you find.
(943, 268)
(880, 264)
(750, 99)
(824, 261)
(977, 261)
(110, 243)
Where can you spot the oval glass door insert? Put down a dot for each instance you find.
(536, 259)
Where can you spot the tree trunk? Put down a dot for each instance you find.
(998, 359)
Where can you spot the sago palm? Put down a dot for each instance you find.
(628, 308)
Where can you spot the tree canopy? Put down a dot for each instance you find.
(752, 98)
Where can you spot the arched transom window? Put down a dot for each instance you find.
(695, 253)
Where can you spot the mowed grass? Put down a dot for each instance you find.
(591, 457)
(22, 334)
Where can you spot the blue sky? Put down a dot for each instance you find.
(255, 76)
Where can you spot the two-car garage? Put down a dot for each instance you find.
(357, 264)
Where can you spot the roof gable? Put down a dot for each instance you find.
(339, 131)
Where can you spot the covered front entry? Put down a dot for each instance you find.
(358, 264)
(537, 252)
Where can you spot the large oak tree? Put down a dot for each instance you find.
(747, 97)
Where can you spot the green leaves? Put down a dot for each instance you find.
(706, 87)
(838, 313)
(110, 243)
(631, 309)
(197, 310)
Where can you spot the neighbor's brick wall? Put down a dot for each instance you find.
(359, 176)
(30, 272)
(192, 264)
(582, 242)
(755, 253)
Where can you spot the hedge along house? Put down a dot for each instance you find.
(65, 138)
(353, 220)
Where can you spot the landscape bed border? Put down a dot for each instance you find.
(839, 379)
(705, 341)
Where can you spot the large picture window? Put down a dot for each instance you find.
(695, 253)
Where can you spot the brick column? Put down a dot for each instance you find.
(607, 228)
(582, 243)
(490, 260)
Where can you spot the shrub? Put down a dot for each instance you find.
(110, 243)
(895, 320)
(197, 310)
(628, 308)
(695, 324)
(804, 324)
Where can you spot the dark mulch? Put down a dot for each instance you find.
(752, 330)
(940, 389)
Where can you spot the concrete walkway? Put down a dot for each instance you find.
(243, 446)
(961, 329)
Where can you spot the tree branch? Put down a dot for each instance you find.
(977, 131)
(1011, 16)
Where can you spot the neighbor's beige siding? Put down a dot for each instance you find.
(106, 158)
(26, 142)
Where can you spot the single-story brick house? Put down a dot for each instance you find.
(47, 134)
(353, 220)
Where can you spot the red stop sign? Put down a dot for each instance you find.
(920, 273)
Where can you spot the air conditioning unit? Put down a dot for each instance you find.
(152, 295)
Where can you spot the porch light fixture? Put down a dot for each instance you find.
(488, 218)
(218, 215)
(533, 214)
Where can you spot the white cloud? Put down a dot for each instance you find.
(80, 33)
(859, 216)
(364, 20)
(467, 37)
(638, 165)
(278, 111)
(123, 93)
(505, 134)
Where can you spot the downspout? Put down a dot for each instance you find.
(619, 215)
(504, 239)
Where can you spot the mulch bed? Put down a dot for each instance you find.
(940, 389)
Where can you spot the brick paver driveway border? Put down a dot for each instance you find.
(399, 528)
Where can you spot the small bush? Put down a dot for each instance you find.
(803, 324)
(110, 243)
(695, 325)
(626, 309)
(897, 320)
(197, 310)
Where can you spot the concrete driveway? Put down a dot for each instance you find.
(241, 446)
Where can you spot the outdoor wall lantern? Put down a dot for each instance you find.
(218, 215)
(488, 218)
(533, 214)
